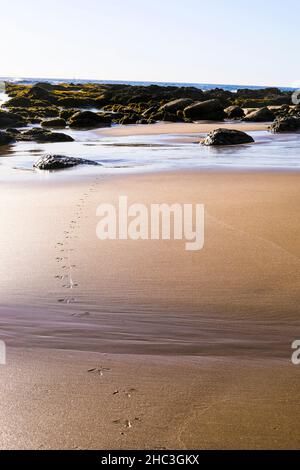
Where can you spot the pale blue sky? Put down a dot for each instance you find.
(216, 41)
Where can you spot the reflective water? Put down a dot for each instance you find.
(152, 153)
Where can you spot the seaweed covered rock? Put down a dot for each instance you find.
(67, 113)
(8, 119)
(286, 124)
(102, 94)
(88, 120)
(205, 110)
(59, 162)
(25, 102)
(260, 115)
(129, 119)
(37, 92)
(74, 102)
(18, 102)
(35, 115)
(43, 136)
(54, 122)
(227, 137)
(12, 131)
(6, 138)
(260, 98)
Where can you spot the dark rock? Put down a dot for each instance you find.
(258, 93)
(18, 102)
(38, 93)
(260, 115)
(234, 112)
(58, 162)
(149, 111)
(26, 102)
(12, 131)
(264, 102)
(114, 117)
(205, 110)
(141, 97)
(88, 120)
(101, 101)
(129, 119)
(43, 113)
(176, 105)
(54, 122)
(67, 113)
(286, 124)
(45, 85)
(5, 138)
(170, 117)
(283, 110)
(74, 102)
(31, 115)
(165, 116)
(43, 136)
(157, 116)
(227, 137)
(8, 119)
(224, 96)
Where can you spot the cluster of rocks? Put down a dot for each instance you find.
(34, 134)
(79, 120)
(39, 135)
(287, 119)
(69, 105)
(126, 104)
(286, 124)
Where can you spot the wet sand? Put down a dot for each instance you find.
(179, 128)
(53, 399)
(200, 341)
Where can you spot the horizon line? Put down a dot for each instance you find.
(144, 81)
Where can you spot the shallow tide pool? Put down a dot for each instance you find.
(151, 153)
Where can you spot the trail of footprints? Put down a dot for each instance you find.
(64, 249)
(123, 394)
(66, 277)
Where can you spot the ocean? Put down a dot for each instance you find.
(202, 86)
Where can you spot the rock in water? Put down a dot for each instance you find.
(59, 162)
(5, 138)
(88, 119)
(8, 119)
(38, 93)
(54, 122)
(205, 110)
(286, 124)
(43, 136)
(227, 137)
(260, 115)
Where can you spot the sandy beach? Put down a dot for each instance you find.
(153, 347)
(180, 128)
(149, 236)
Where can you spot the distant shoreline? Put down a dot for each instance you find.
(202, 86)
